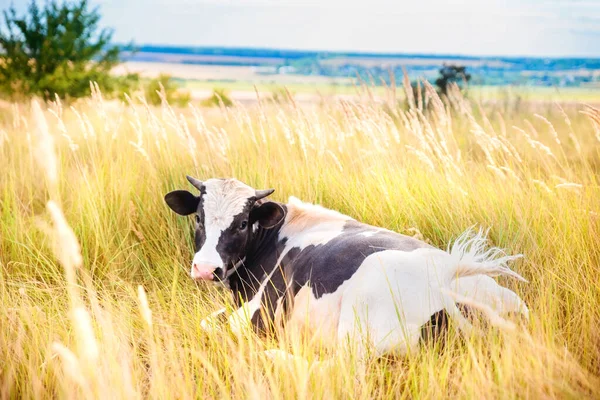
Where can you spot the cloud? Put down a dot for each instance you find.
(587, 32)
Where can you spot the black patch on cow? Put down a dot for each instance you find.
(262, 254)
(234, 241)
(263, 319)
(436, 329)
(329, 265)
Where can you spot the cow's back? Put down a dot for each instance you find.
(326, 266)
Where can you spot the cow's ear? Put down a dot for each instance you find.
(268, 214)
(182, 202)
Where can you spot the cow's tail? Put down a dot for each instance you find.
(474, 258)
(471, 258)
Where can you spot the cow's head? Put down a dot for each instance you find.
(227, 214)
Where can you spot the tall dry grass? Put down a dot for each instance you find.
(97, 302)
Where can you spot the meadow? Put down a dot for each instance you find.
(96, 298)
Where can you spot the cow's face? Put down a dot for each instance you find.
(227, 213)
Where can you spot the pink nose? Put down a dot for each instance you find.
(203, 271)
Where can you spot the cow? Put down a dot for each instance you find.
(307, 266)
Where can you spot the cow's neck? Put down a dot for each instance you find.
(261, 259)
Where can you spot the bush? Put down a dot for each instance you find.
(219, 98)
(57, 49)
(282, 95)
(166, 87)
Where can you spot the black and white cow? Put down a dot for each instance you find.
(331, 275)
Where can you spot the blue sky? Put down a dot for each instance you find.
(473, 27)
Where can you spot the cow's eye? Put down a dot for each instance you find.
(197, 219)
(243, 225)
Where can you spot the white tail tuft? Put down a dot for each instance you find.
(475, 259)
(472, 257)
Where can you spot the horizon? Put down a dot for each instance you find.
(367, 53)
(495, 28)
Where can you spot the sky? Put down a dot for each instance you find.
(466, 27)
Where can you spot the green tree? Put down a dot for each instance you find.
(58, 49)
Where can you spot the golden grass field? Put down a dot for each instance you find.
(96, 299)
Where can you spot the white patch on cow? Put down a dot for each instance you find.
(241, 318)
(208, 253)
(310, 224)
(279, 313)
(391, 295)
(223, 200)
(374, 232)
(317, 318)
(313, 211)
(369, 233)
(208, 324)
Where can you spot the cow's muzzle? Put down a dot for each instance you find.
(206, 272)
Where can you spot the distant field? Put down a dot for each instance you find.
(241, 82)
(245, 90)
(220, 73)
(350, 88)
(414, 61)
(538, 94)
